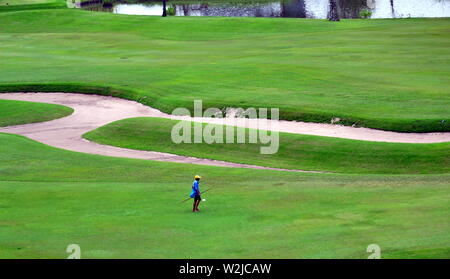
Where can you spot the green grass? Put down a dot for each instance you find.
(19, 112)
(124, 208)
(22, 5)
(386, 74)
(27, 2)
(295, 152)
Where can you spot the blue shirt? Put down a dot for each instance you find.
(195, 189)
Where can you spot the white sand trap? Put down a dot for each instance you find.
(94, 111)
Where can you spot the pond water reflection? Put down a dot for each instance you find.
(281, 8)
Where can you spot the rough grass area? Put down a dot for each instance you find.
(124, 208)
(295, 151)
(19, 112)
(385, 74)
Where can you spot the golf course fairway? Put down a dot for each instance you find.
(361, 71)
(390, 75)
(126, 208)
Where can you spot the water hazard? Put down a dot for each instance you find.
(282, 8)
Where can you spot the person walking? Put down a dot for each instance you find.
(195, 193)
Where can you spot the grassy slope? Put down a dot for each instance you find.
(131, 208)
(296, 151)
(18, 112)
(387, 74)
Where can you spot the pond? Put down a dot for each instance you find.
(272, 8)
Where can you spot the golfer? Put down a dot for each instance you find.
(195, 193)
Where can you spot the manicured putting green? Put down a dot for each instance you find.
(295, 151)
(124, 208)
(19, 112)
(387, 74)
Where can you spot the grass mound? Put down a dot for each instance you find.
(295, 151)
(19, 112)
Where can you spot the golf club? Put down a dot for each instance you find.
(200, 194)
